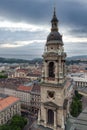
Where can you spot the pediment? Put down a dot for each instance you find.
(51, 104)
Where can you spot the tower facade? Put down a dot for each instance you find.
(53, 84)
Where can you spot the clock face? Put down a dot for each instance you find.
(51, 94)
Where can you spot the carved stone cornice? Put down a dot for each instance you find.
(59, 85)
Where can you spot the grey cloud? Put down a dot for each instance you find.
(9, 36)
(71, 13)
(24, 10)
(80, 32)
(36, 50)
(41, 11)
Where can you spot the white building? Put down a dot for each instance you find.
(79, 78)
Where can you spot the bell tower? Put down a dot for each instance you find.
(54, 56)
(53, 80)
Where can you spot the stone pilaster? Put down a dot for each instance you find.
(55, 120)
(56, 71)
(39, 117)
(46, 71)
(45, 122)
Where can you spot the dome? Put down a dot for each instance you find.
(54, 36)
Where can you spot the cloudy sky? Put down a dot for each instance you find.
(25, 24)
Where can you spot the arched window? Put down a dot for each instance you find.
(51, 69)
(50, 117)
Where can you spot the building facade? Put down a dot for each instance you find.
(9, 107)
(80, 79)
(35, 99)
(53, 113)
(24, 96)
(29, 95)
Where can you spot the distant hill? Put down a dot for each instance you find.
(38, 60)
(13, 60)
(76, 60)
(77, 57)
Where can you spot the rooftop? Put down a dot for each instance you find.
(25, 88)
(3, 95)
(82, 89)
(13, 83)
(22, 70)
(81, 122)
(79, 76)
(36, 88)
(4, 103)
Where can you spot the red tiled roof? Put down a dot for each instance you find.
(4, 103)
(85, 71)
(22, 70)
(24, 88)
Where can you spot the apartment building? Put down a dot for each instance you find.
(35, 98)
(29, 95)
(9, 107)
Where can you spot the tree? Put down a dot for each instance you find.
(79, 96)
(17, 123)
(3, 76)
(76, 105)
(5, 127)
(74, 109)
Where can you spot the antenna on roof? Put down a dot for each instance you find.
(54, 4)
(54, 7)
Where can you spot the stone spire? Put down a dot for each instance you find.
(54, 22)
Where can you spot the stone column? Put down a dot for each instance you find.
(46, 71)
(39, 117)
(55, 120)
(45, 120)
(56, 70)
(63, 126)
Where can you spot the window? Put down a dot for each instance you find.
(50, 117)
(51, 70)
(51, 94)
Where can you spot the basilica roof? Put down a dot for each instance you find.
(54, 36)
